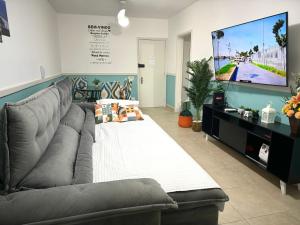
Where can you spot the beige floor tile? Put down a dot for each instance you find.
(229, 215)
(251, 201)
(254, 193)
(274, 219)
(236, 223)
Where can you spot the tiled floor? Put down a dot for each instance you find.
(255, 197)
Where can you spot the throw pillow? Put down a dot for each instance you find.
(106, 113)
(98, 114)
(130, 113)
(115, 112)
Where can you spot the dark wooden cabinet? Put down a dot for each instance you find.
(247, 137)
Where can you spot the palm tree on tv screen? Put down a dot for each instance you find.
(281, 39)
(219, 35)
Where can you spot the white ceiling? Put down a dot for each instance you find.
(135, 8)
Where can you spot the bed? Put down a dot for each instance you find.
(141, 149)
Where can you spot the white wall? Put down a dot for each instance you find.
(33, 43)
(205, 16)
(74, 39)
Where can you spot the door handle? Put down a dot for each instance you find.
(142, 80)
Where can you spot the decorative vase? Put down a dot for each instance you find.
(295, 126)
(197, 126)
(185, 121)
(268, 114)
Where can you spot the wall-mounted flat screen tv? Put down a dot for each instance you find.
(253, 52)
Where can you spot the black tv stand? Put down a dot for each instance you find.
(247, 136)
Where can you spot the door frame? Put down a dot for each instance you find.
(179, 62)
(138, 72)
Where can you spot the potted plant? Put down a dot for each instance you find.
(199, 89)
(292, 110)
(185, 117)
(96, 82)
(218, 94)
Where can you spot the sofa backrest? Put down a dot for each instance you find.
(28, 127)
(65, 91)
(4, 160)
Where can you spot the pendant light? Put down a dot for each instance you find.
(123, 20)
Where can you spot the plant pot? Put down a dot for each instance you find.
(197, 126)
(295, 126)
(185, 121)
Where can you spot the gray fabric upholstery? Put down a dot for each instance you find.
(198, 198)
(89, 123)
(65, 92)
(206, 215)
(85, 201)
(87, 105)
(136, 218)
(31, 124)
(74, 118)
(4, 153)
(194, 206)
(84, 160)
(56, 166)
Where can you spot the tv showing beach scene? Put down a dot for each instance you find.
(253, 52)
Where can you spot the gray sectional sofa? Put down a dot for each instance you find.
(46, 172)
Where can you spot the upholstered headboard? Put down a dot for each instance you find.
(29, 126)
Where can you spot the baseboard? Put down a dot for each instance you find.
(170, 106)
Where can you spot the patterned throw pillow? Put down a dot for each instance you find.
(130, 113)
(98, 114)
(106, 113)
(115, 112)
(110, 90)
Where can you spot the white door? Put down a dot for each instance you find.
(152, 84)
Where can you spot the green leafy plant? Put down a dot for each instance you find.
(200, 77)
(96, 82)
(255, 112)
(185, 109)
(218, 87)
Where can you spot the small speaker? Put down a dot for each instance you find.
(219, 100)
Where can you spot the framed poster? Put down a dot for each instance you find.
(4, 28)
(99, 44)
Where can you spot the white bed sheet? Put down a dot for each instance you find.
(141, 149)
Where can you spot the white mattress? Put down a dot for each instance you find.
(141, 149)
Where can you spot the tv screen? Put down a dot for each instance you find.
(253, 52)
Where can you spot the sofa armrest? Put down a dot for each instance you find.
(66, 204)
(87, 105)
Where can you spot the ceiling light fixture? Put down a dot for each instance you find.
(123, 20)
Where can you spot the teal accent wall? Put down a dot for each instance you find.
(112, 77)
(170, 90)
(256, 98)
(19, 95)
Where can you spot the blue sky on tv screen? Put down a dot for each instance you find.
(3, 13)
(245, 36)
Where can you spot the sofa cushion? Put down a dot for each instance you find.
(56, 166)
(4, 154)
(74, 118)
(31, 124)
(84, 161)
(65, 91)
(89, 123)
